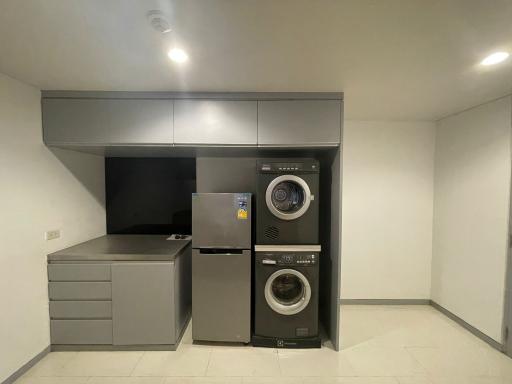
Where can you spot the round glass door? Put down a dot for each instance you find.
(288, 197)
(287, 291)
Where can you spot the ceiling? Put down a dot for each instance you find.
(394, 59)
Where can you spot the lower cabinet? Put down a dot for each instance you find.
(142, 303)
(120, 303)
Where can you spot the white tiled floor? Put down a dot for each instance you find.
(381, 345)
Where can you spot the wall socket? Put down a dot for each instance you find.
(50, 235)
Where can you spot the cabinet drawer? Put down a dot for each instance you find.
(79, 272)
(80, 290)
(80, 309)
(81, 331)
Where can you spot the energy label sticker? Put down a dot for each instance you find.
(242, 214)
(241, 207)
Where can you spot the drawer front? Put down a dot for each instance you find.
(81, 331)
(79, 272)
(80, 309)
(80, 290)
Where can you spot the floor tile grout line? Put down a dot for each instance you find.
(208, 364)
(279, 364)
(137, 363)
(427, 371)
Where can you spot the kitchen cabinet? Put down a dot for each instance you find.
(95, 121)
(120, 290)
(215, 122)
(299, 123)
(107, 121)
(143, 303)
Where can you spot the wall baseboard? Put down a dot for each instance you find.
(482, 336)
(385, 302)
(16, 375)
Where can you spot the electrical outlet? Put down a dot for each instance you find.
(50, 235)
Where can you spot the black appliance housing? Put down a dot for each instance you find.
(287, 208)
(286, 297)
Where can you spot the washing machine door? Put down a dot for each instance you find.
(288, 197)
(287, 291)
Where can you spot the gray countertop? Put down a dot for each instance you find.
(123, 248)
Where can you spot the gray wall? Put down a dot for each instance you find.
(226, 174)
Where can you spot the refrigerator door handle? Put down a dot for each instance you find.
(220, 251)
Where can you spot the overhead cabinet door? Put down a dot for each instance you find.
(299, 122)
(107, 121)
(222, 122)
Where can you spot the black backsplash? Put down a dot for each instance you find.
(149, 195)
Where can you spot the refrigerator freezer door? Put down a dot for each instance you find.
(221, 296)
(221, 220)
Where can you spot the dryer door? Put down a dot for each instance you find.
(288, 197)
(287, 291)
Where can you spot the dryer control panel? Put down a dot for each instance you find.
(302, 259)
(301, 166)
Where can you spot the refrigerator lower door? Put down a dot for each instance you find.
(221, 296)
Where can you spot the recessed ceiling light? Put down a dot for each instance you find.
(178, 55)
(495, 58)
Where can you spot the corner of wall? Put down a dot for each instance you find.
(47, 190)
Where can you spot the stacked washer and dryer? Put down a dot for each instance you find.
(287, 254)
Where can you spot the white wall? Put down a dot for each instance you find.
(387, 210)
(472, 182)
(39, 191)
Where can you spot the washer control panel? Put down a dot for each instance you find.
(290, 258)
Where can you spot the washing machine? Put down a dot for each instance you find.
(287, 201)
(286, 296)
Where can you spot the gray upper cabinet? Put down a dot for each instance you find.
(222, 122)
(103, 119)
(107, 121)
(299, 122)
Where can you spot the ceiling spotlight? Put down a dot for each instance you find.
(495, 58)
(178, 55)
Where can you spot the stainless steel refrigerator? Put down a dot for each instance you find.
(221, 267)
